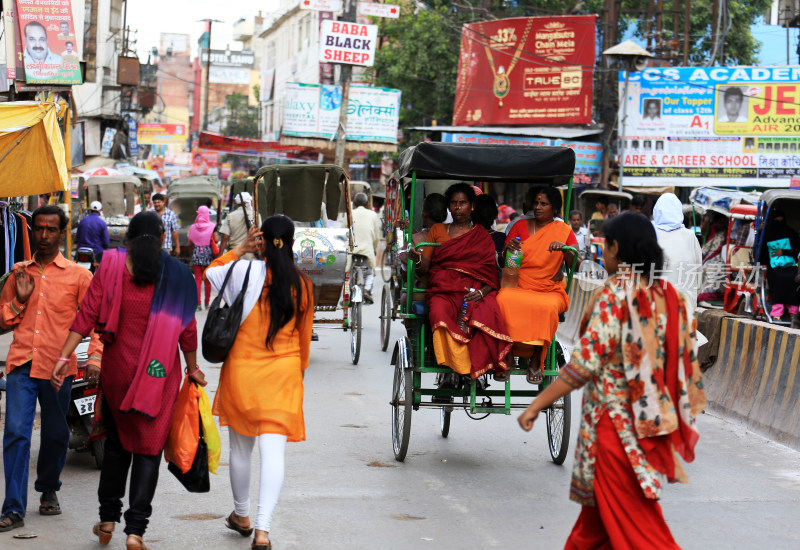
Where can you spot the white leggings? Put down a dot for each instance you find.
(272, 448)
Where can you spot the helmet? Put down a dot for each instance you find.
(96, 206)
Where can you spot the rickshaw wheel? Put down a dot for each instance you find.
(559, 417)
(355, 332)
(386, 317)
(402, 401)
(386, 265)
(444, 420)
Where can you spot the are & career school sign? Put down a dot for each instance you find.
(732, 126)
(350, 43)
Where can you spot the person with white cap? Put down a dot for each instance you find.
(93, 231)
(234, 227)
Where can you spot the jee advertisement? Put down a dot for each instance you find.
(526, 71)
(50, 50)
(737, 126)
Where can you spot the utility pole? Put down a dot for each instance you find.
(208, 69)
(345, 75)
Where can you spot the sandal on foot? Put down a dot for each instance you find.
(267, 546)
(138, 545)
(49, 504)
(103, 536)
(10, 521)
(535, 375)
(502, 375)
(231, 524)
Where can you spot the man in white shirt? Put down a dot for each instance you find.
(580, 231)
(366, 237)
(234, 227)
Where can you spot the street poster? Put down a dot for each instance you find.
(588, 155)
(108, 141)
(311, 110)
(50, 48)
(526, 70)
(205, 163)
(727, 126)
(150, 133)
(350, 43)
(373, 9)
(133, 138)
(321, 5)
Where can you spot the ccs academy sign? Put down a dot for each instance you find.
(350, 43)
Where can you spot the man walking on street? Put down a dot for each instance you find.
(170, 221)
(39, 302)
(366, 235)
(93, 231)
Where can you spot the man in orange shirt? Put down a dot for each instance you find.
(39, 301)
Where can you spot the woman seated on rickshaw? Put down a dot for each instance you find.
(463, 269)
(779, 255)
(713, 277)
(531, 310)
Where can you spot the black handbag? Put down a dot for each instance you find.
(222, 322)
(196, 480)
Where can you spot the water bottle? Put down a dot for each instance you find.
(511, 270)
(462, 317)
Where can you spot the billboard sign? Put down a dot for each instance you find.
(311, 110)
(229, 67)
(133, 142)
(731, 126)
(350, 43)
(50, 53)
(150, 133)
(526, 70)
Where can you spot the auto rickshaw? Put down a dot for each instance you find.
(308, 193)
(118, 194)
(788, 200)
(426, 168)
(590, 197)
(185, 196)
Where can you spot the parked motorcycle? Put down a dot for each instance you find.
(80, 416)
(85, 257)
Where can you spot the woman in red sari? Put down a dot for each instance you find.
(642, 392)
(531, 310)
(463, 269)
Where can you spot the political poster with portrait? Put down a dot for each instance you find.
(311, 110)
(50, 49)
(730, 126)
(526, 70)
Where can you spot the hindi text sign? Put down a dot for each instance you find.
(321, 5)
(373, 9)
(350, 43)
(50, 49)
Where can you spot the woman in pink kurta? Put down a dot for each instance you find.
(141, 302)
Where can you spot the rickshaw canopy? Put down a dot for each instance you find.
(117, 193)
(772, 195)
(745, 211)
(193, 187)
(32, 158)
(507, 163)
(721, 200)
(299, 190)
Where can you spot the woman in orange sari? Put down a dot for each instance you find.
(531, 310)
(463, 270)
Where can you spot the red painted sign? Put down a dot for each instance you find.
(526, 70)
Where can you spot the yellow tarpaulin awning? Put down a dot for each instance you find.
(32, 155)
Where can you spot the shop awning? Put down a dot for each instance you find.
(32, 159)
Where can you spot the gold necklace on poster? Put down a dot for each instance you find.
(502, 85)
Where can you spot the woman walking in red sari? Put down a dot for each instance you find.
(141, 302)
(643, 389)
(464, 268)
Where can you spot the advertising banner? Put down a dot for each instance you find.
(311, 110)
(229, 67)
(50, 50)
(373, 9)
(205, 163)
(526, 70)
(732, 126)
(350, 43)
(133, 138)
(9, 32)
(152, 133)
(588, 155)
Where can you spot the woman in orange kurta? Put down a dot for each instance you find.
(531, 310)
(260, 393)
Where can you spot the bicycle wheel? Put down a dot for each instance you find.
(386, 317)
(402, 401)
(444, 420)
(355, 332)
(386, 264)
(559, 417)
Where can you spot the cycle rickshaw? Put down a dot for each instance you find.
(422, 167)
(310, 195)
(390, 260)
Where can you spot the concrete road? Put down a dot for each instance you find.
(489, 485)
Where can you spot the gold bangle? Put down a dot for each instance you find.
(480, 291)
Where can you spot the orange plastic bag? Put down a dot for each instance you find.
(184, 433)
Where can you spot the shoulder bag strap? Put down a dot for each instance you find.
(228, 276)
(244, 209)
